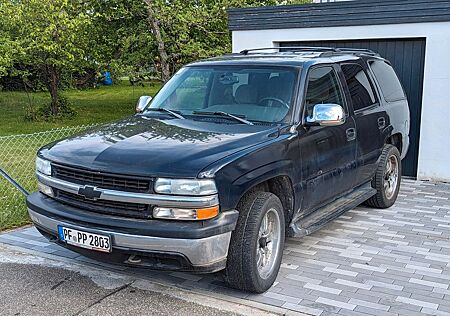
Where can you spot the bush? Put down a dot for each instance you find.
(44, 113)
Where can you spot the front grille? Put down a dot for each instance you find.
(102, 180)
(133, 210)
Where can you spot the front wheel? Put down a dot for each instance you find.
(387, 178)
(256, 246)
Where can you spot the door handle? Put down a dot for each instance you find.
(351, 134)
(381, 122)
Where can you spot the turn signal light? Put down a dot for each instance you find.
(207, 213)
(185, 214)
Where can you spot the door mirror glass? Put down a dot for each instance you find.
(326, 115)
(142, 103)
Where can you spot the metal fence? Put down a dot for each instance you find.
(17, 158)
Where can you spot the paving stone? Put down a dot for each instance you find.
(433, 294)
(282, 297)
(354, 284)
(394, 287)
(415, 302)
(335, 273)
(346, 312)
(327, 309)
(368, 267)
(335, 303)
(444, 308)
(429, 283)
(303, 279)
(297, 291)
(369, 304)
(433, 312)
(303, 309)
(265, 300)
(321, 288)
(372, 311)
(405, 311)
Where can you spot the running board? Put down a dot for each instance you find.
(329, 212)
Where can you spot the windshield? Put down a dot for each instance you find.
(255, 93)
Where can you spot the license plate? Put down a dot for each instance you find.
(84, 239)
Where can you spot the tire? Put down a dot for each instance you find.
(246, 244)
(387, 192)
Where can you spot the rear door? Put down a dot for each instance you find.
(327, 152)
(370, 119)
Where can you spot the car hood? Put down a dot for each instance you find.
(147, 146)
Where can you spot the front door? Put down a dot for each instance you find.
(328, 153)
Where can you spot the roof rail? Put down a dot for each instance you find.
(357, 51)
(296, 48)
(329, 50)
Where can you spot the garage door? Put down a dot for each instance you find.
(407, 57)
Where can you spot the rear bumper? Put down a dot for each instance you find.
(163, 245)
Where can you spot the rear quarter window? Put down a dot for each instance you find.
(387, 79)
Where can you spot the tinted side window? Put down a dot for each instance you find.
(322, 87)
(391, 87)
(358, 84)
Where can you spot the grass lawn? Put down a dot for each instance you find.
(97, 105)
(18, 152)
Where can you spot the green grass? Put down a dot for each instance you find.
(18, 151)
(97, 105)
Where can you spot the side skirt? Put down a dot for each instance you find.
(331, 211)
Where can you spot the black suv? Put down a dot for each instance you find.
(233, 154)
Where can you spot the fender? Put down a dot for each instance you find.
(236, 173)
(246, 182)
(261, 174)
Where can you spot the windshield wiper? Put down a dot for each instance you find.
(173, 113)
(221, 113)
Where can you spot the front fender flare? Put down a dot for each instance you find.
(244, 183)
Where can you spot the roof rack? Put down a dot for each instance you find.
(323, 50)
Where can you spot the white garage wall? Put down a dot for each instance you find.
(434, 147)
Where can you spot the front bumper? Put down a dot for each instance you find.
(187, 246)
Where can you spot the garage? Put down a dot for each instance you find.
(414, 36)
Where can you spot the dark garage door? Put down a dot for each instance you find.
(407, 57)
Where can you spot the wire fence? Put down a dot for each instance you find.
(17, 158)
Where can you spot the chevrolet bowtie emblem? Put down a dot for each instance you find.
(89, 192)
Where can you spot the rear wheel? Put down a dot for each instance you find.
(387, 178)
(256, 246)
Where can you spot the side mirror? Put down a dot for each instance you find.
(327, 115)
(142, 103)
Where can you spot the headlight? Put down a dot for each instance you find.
(185, 214)
(185, 187)
(43, 166)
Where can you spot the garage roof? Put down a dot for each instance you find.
(345, 13)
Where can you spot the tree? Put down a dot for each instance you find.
(51, 37)
(185, 30)
(156, 30)
(53, 41)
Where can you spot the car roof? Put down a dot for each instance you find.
(289, 58)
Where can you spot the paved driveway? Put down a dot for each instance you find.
(367, 262)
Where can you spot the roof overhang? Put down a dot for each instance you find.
(342, 13)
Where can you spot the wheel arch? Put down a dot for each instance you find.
(273, 178)
(395, 140)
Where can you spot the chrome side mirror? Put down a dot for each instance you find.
(327, 115)
(142, 103)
